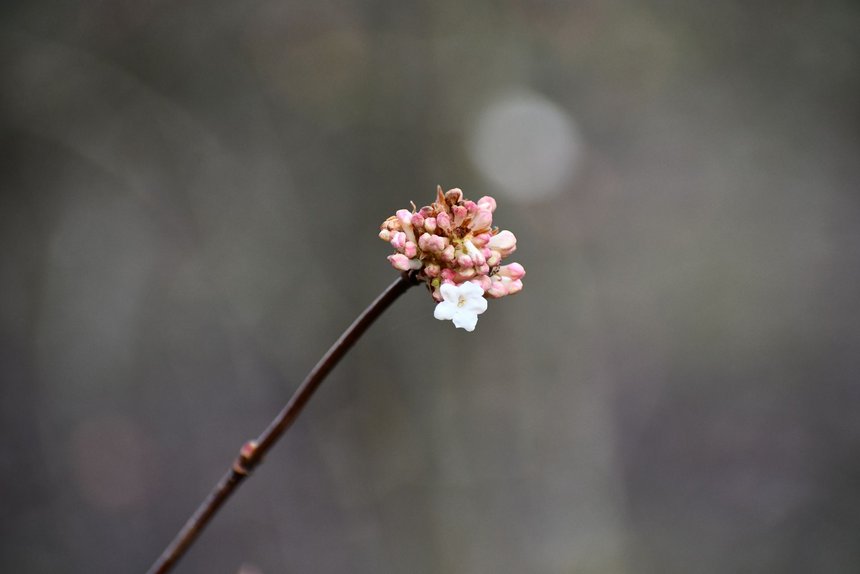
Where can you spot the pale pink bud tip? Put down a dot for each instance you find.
(404, 216)
(505, 242)
(513, 270)
(487, 202)
(443, 220)
(399, 261)
(398, 240)
(460, 214)
(465, 261)
(482, 220)
(515, 287)
(432, 243)
(482, 281)
(496, 290)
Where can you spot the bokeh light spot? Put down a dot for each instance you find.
(528, 147)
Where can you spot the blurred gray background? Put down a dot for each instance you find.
(191, 193)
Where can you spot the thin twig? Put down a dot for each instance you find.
(252, 452)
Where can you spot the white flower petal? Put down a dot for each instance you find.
(445, 310)
(450, 292)
(465, 321)
(470, 290)
(475, 305)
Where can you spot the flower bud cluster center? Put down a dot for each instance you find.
(452, 242)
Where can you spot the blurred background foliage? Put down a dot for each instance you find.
(190, 199)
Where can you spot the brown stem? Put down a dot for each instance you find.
(252, 452)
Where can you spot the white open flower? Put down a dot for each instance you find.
(461, 304)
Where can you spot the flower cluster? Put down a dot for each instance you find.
(452, 242)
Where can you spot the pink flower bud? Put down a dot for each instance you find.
(494, 259)
(398, 240)
(513, 271)
(417, 220)
(399, 261)
(448, 254)
(514, 287)
(385, 235)
(496, 290)
(504, 242)
(483, 268)
(432, 243)
(460, 214)
(463, 274)
(448, 275)
(426, 211)
(471, 207)
(404, 216)
(482, 220)
(482, 239)
(465, 261)
(482, 281)
(430, 224)
(487, 202)
(443, 221)
(410, 249)
(432, 270)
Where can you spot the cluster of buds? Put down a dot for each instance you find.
(453, 242)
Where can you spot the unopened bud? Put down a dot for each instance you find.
(512, 270)
(399, 261)
(483, 219)
(460, 214)
(443, 220)
(465, 261)
(398, 240)
(504, 242)
(432, 243)
(487, 202)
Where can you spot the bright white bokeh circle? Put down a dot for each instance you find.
(526, 146)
